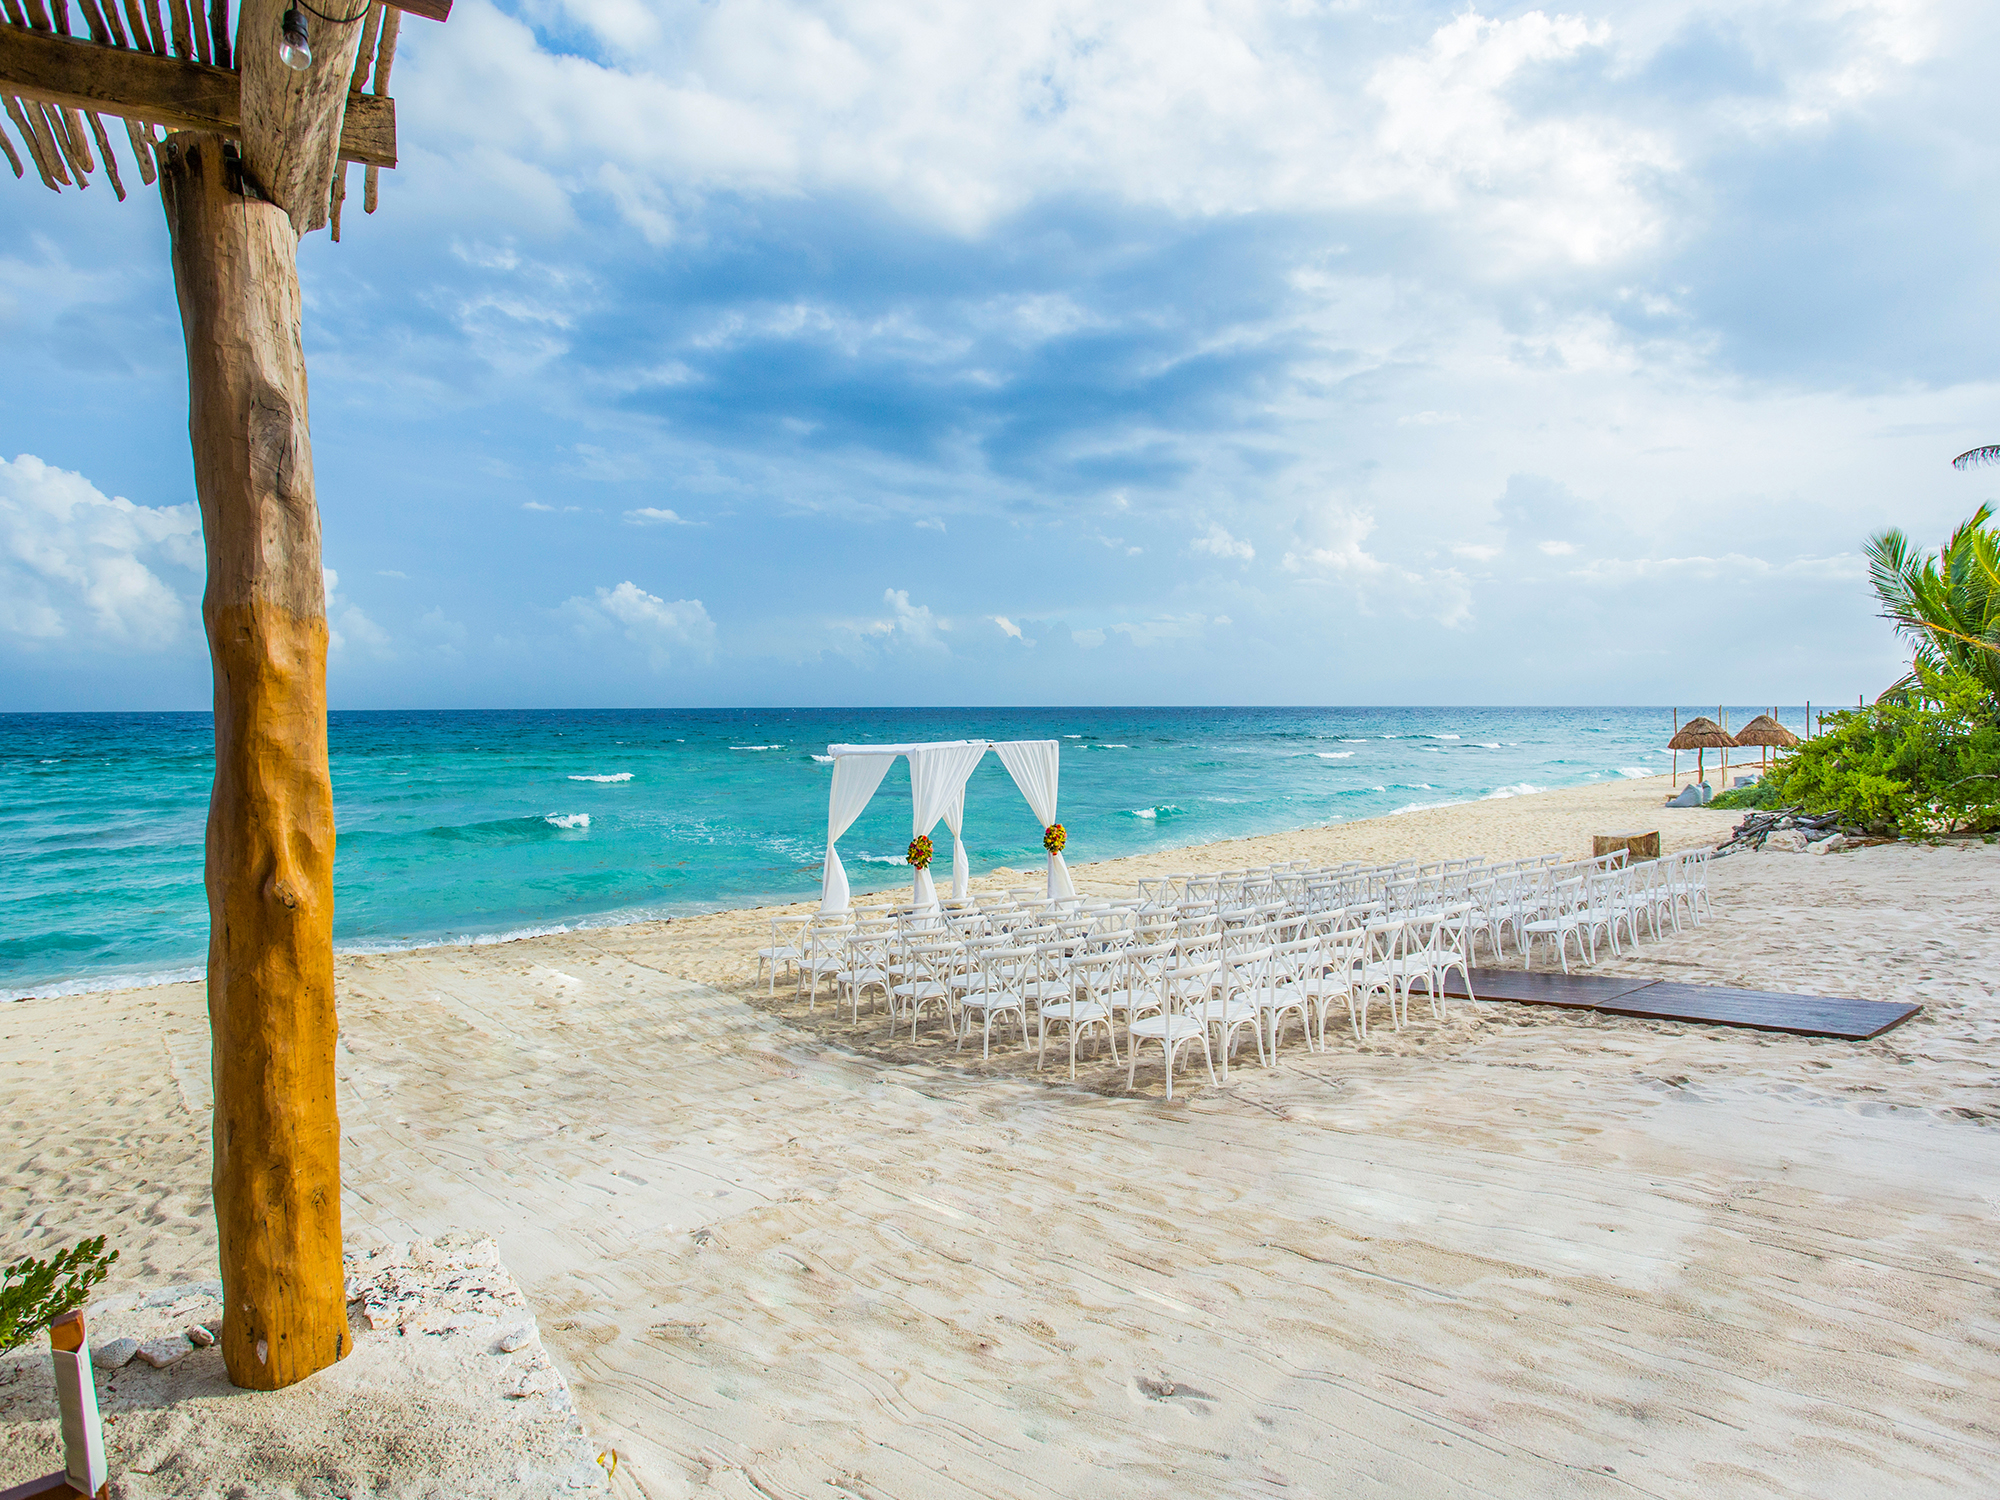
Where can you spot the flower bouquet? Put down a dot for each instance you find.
(1054, 838)
(920, 851)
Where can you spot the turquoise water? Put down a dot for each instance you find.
(467, 825)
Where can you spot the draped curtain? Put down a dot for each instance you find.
(937, 789)
(855, 778)
(954, 819)
(1034, 765)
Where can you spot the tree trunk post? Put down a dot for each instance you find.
(270, 825)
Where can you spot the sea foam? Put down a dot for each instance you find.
(615, 776)
(567, 820)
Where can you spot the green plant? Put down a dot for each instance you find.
(1948, 605)
(34, 1293)
(1756, 795)
(1921, 762)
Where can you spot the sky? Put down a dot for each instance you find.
(758, 352)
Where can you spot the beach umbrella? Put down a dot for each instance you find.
(1766, 731)
(1700, 735)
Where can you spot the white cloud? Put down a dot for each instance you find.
(347, 622)
(666, 631)
(1338, 553)
(1219, 543)
(78, 566)
(1477, 551)
(653, 516)
(1557, 549)
(1008, 627)
(930, 523)
(962, 112)
(1843, 568)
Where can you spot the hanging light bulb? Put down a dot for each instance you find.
(294, 51)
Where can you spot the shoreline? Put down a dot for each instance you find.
(1685, 828)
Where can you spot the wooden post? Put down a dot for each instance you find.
(270, 825)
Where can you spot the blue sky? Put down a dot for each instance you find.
(762, 352)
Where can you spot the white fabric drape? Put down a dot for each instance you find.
(937, 781)
(1034, 765)
(855, 778)
(954, 819)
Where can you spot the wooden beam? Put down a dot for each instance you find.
(291, 120)
(168, 91)
(430, 10)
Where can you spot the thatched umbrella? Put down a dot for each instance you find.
(1701, 735)
(1766, 731)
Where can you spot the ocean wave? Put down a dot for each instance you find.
(1636, 771)
(1345, 740)
(825, 760)
(614, 776)
(1110, 746)
(1165, 809)
(756, 747)
(1334, 754)
(567, 820)
(97, 983)
(1484, 745)
(1441, 736)
(1518, 789)
(880, 859)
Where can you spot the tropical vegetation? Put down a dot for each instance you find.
(1924, 759)
(1947, 605)
(34, 1293)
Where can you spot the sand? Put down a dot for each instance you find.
(1517, 1252)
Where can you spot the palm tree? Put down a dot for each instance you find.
(1948, 605)
(1987, 455)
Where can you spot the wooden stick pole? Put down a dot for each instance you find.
(7, 146)
(270, 825)
(110, 161)
(142, 150)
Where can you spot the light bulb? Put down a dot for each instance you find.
(294, 51)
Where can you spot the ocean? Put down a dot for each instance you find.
(466, 826)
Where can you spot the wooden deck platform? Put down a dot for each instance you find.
(1666, 1000)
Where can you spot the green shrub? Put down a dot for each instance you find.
(35, 1293)
(1756, 795)
(1922, 763)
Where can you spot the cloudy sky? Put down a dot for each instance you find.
(1070, 351)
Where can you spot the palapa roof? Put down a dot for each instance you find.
(1701, 734)
(1765, 730)
(156, 70)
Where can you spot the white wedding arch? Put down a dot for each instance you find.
(938, 773)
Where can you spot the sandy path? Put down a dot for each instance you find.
(1517, 1252)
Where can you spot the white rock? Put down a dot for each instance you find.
(159, 1353)
(114, 1354)
(515, 1337)
(1829, 844)
(1786, 841)
(200, 1337)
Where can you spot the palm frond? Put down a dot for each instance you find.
(1987, 455)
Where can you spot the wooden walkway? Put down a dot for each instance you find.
(1665, 1000)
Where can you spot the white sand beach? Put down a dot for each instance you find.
(1517, 1252)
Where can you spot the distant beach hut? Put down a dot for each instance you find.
(1700, 735)
(1767, 733)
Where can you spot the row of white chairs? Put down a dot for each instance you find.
(1201, 958)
